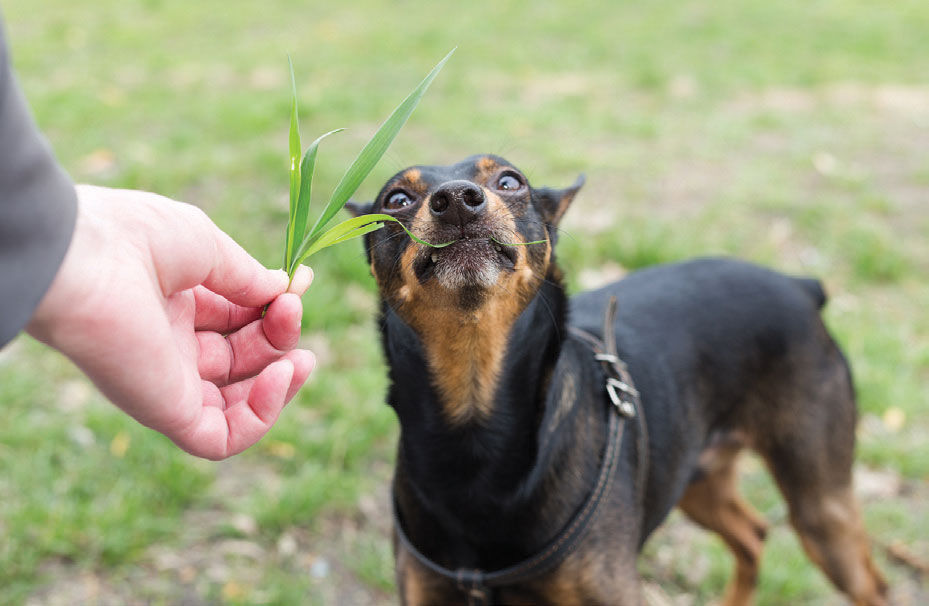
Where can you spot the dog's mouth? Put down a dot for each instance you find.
(467, 262)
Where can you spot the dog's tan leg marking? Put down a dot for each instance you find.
(712, 502)
(809, 448)
(834, 537)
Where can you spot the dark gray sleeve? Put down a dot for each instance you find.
(38, 207)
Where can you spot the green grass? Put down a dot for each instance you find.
(793, 135)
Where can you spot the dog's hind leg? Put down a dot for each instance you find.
(826, 517)
(832, 534)
(712, 501)
(809, 448)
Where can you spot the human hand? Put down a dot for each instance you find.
(163, 311)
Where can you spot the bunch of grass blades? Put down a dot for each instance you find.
(303, 240)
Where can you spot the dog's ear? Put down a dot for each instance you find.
(359, 208)
(553, 203)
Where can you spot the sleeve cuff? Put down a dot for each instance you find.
(38, 208)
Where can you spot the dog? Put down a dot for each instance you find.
(543, 439)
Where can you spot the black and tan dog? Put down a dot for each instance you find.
(513, 484)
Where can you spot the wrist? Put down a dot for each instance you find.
(70, 296)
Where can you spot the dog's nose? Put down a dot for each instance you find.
(457, 202)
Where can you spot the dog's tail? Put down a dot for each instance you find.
(814, 288)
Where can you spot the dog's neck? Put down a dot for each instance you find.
(464, 352)
(489, 467)
(460, 372)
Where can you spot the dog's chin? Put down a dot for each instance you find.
(466, 266)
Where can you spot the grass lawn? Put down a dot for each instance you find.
(792, 134)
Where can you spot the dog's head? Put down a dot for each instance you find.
(501, 230)
(463, 299)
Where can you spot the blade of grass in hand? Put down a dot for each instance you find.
(333, 234)
(299, 218)
(356, 233)
(373, 151)
(294, 170)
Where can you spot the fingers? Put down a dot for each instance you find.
(250, 419)
(245, 352)
(281, 324)
(188, 249)
(304, 362)
(239, 277)
(235, 417)
(220, 432)
(183, 246)
(215, 313)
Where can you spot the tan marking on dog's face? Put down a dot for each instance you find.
(487, 165)
(413, 178)
(465, 347)
(466, 297)
(404, 294)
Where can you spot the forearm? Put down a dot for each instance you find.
(37, 207)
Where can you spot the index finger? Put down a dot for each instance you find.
(189, 249)
(216, 313)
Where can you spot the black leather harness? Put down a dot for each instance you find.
(625, 403)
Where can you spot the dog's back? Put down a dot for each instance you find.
(729, 355)
(699, 337)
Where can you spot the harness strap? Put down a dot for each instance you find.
(620, 387)
(478, 585)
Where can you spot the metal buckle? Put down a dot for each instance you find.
(614, 387)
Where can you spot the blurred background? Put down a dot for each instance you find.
(792, 134)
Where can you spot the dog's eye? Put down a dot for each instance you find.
(397, 199)
(509, 182)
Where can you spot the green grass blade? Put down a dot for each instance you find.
(517, 243)
(313, 244)
(383, 217)
(328, 239)
(365, 229)
(294, 168)
(353, 228)
(374, 149)
(301, 213)
(412, 236)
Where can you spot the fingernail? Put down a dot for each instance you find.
(302, 278)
